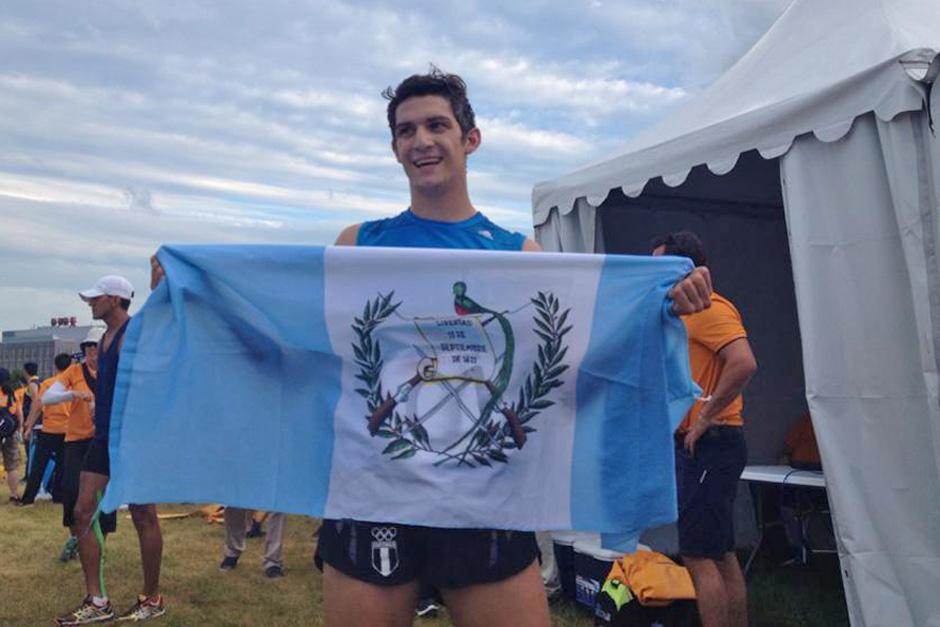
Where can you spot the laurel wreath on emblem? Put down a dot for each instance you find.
(489, 440)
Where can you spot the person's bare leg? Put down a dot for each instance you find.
(735, 589)
(710, 594)
(348, 602)
(90, 484)
(151, 545)
(518, 601)
(13, 482)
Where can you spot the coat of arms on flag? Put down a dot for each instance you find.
(465, 364)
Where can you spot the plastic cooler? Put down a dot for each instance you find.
(591, 567)
(564, 559)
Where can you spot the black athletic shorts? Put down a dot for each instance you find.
(73, 464)
(706, 485)
(97, 458)
(389, 554)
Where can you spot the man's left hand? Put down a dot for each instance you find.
(693, 293)
(696, 431)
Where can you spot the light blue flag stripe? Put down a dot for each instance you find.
(623, 375)
(248, 369)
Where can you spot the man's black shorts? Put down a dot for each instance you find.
(388, 554)
(97, 459)
(706, 486)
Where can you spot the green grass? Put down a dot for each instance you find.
(34, 586)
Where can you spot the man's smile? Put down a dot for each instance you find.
(426, 161)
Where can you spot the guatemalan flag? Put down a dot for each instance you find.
(446, 388)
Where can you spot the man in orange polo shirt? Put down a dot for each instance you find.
(50, 440)
(710, 449)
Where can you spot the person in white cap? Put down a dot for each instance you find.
(110, 299)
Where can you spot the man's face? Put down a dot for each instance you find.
(101, 305)
(91, 356)
(659, 250)
(429, 143)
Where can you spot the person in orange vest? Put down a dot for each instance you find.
(710, 448)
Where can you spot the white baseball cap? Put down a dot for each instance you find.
(111, 285)
(94, 336)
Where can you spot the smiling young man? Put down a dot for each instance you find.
(109, 300)
(487, 577)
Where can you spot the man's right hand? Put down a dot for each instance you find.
(156, 272)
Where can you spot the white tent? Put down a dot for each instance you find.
(816, 148)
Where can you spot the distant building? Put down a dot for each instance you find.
(41, 344)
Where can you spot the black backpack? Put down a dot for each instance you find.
(8, 420)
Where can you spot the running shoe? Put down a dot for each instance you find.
(86, 614)
(273, 572)
(145, 609)
(255, 530)
(69, 550)
(228, 563)
(426, 608)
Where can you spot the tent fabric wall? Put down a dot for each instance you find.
(573, 232)
(862, 215)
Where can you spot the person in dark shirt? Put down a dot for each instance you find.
(109, 300)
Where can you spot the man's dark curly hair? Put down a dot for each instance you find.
(682, 244)
(434, 83)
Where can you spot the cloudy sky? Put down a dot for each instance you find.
(125, 125)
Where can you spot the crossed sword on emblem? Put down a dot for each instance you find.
(426, 370)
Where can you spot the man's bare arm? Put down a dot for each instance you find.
(738, 366)
(34, 411)
(531, 246)
(348, 236)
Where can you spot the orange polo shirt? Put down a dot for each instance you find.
(709, 331)
(81, 424)
(55, 418)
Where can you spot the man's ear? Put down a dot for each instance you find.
(395, 151)
(472, 140)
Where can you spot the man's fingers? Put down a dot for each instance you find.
(693, 293)
(156, 272)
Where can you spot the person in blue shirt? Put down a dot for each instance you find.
(486, 576)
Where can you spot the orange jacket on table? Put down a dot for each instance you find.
(709, 331)
(801, 444)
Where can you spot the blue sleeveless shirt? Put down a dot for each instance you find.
(407, 230)
(104, 387)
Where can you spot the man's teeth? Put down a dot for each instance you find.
(423, 162)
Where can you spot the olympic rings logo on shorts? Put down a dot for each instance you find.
(384, 534)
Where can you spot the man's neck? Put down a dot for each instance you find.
(453, 206)
(115, 319)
